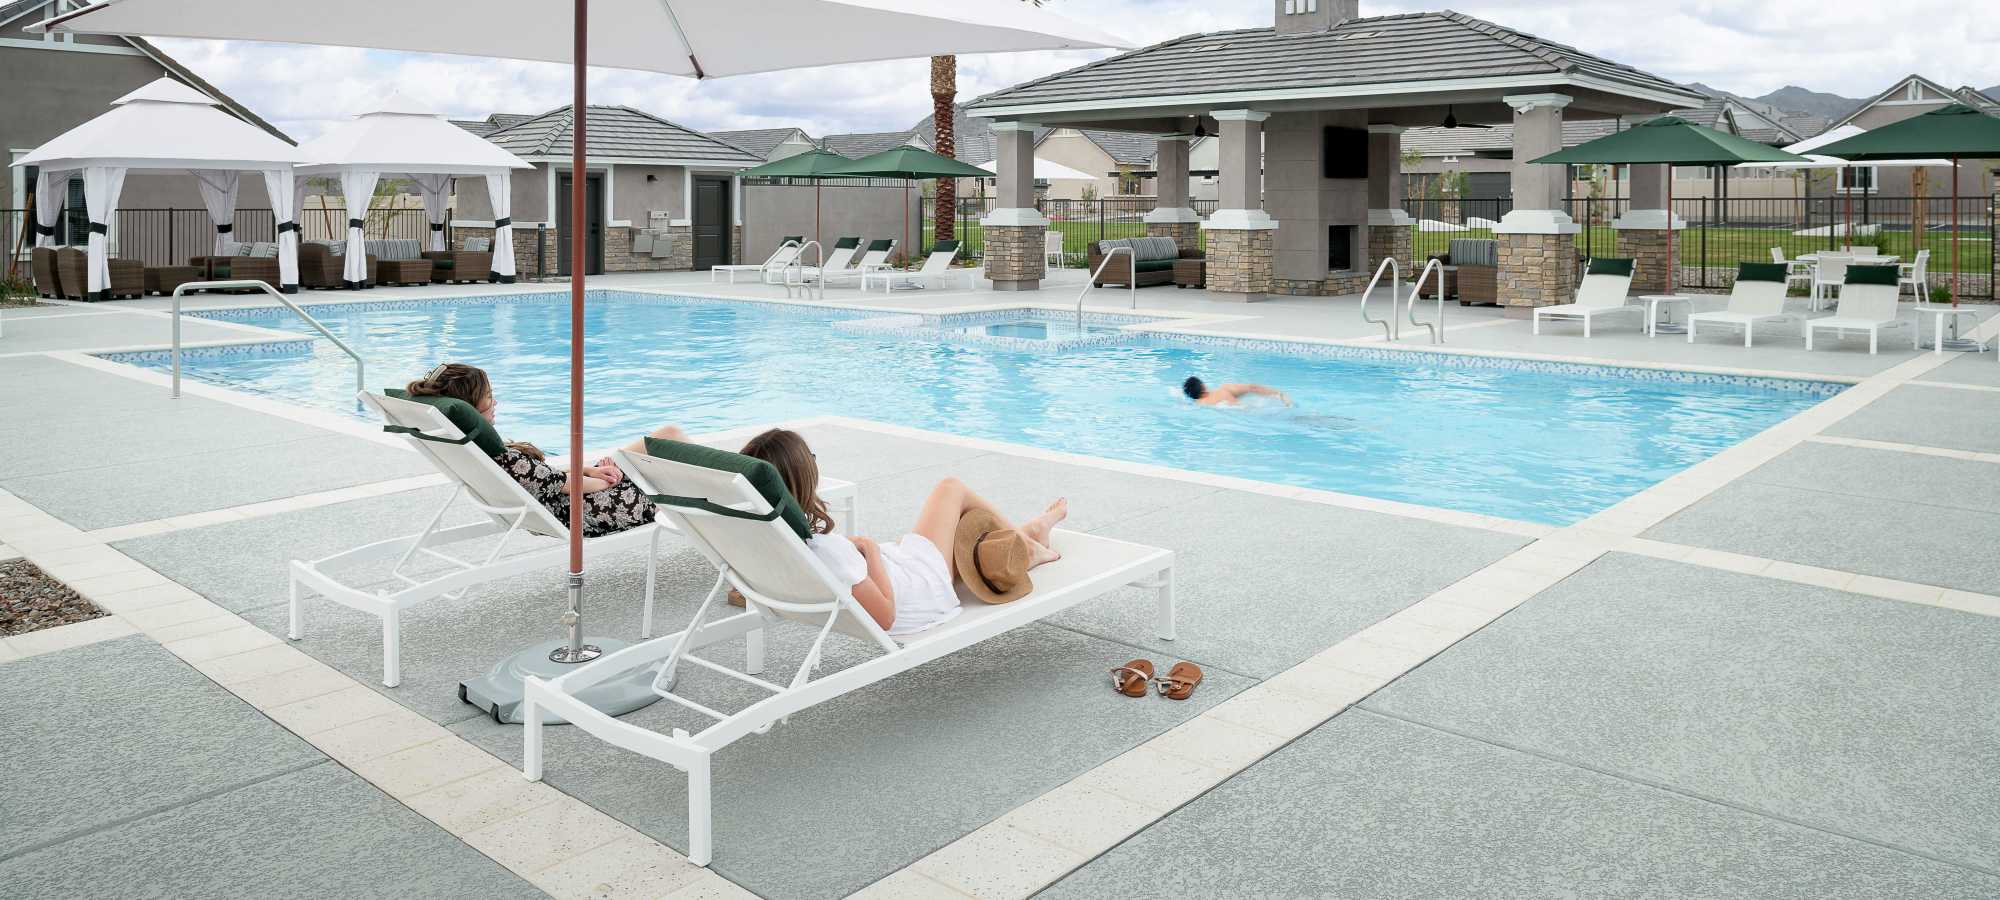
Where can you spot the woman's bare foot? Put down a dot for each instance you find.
(1040, 553)
(1037, 529)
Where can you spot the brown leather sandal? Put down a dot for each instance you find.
(1131, 678)
(1180, 681)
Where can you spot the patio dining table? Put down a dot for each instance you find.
(1875, 260)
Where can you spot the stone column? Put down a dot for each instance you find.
(1537, 239)
(1172, 216)
(1239, 234)
(1388, 223)
(1645, 232)
(1014, 229)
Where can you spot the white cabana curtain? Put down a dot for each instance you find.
(436, 190)
(218, 193)
(101, 187)
(500, 194)
(51, 188)
(285, 208)
(358, 188)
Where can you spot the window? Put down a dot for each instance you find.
(1857, 180)
(1128, 184)
(1301, 7)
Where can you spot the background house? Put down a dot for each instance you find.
(1912, 96)
(56, 82)
(769, 143)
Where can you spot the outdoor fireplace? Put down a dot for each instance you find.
(1339, 248)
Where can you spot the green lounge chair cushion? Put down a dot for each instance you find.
(1153, 265)
(462, 416)
(762, 475)
(847, 243)
(1609, 265)
(1871, 275)
(1753, 271)
(950, 247)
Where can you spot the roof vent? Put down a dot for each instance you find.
(1205, 48)
(1355, 35)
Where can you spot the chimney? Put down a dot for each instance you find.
(1299, 16)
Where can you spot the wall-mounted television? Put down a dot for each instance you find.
(1345, 152)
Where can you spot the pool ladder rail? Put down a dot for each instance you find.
(360, 368)
(1401, 308)
(1131, 282)
(804, 284)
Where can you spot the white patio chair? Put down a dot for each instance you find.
(1867, 303)
(875, 258)
(772, 267)
(1828, 275)
(1757, 296)
(510, 512)
(937, 271)
(785, 585)
(837, 261)
(1917, 275)
(1797, 271)
(1606, 284)
(1052, 250)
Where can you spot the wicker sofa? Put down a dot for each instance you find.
(1477, 261)
(238, 268)
(320, 267)
(1151, 257)
(72, 270)
(467, 264)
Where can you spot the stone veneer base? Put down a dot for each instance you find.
(1653, 254)
(1536, 270)
(1015, 258)
(1239, 263)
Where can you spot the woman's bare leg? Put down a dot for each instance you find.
(951, 500)
(664, 432)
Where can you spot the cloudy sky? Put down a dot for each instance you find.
(1748, 46)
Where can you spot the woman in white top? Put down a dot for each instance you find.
(907, 586)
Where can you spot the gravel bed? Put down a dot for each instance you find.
(32, 601)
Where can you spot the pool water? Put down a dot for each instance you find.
(1515, 442)
(1037, 330)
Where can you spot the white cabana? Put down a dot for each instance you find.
(1045, 170)
(1817, 161)
(401, 140)
(164, 125)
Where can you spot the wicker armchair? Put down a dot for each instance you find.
(128, 276)
(460, 266)
(47, 283)
(239, 268)
(320, 268)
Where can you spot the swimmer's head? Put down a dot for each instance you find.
(1194, 388)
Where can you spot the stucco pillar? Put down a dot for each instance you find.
(1239, 233)
(1388, 223)
(1538, 262)
(1014, 229)
(1645, 232)
(1172, 216)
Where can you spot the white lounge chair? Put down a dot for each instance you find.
(1917, 275)
(937, 271)
(837, 261)
(1829, 273)
(1867, 303)
(1758, 296)
(1796, 270)
(875, 258)
(772, 266)
(1603, 293)
(784, 584)
(510, 512)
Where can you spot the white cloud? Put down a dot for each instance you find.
(1747, 46)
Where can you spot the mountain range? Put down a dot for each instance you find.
(1792, 98)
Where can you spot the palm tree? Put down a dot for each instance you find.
(944, 112)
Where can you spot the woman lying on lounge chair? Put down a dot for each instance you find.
(611, 503)
(907, 585)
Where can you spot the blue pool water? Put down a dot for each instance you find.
(1499, 439)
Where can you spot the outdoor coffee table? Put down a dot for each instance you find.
(163, 280)
(1939, 341)
(1190, 273)
(1654, 324)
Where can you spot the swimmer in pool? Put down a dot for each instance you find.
(1228, 394)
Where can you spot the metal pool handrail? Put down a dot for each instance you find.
(1131, 283)
(819, 254)
(1390, 330)
(1437, 328)
(360, 368)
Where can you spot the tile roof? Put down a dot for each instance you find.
(1374, 50)
(617, 132)
(760, 141)
(1124, 147)
(492, 123)
(972, 138)
(855, 146)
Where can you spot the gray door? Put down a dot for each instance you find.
(593, 229)
(711, 222)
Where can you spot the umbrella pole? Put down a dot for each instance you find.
(576, 652)
(1673, 240)
(1954, 237)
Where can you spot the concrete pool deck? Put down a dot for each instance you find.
(1770, 675)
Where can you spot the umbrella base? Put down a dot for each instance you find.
(498, 692)
(1962, 345)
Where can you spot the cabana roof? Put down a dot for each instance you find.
(400, 138)
(164, 125)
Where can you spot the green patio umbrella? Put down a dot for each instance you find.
(910, 164)
(1673, 141)
(817, 165)
(1953, 131)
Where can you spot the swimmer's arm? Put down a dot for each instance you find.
(1238, 390)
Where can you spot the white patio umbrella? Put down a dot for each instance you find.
(164, 125)
(693, 38)
(1045, 170)
(402, 139)
(1820, 161)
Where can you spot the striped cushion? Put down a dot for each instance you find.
(1155, 248)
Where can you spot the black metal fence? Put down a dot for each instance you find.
(169, 236)
(1078, 221)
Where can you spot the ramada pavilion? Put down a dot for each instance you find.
(1322, 102)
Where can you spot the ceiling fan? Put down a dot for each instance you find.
(1451, 121)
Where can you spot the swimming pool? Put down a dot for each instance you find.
(1523, 440)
